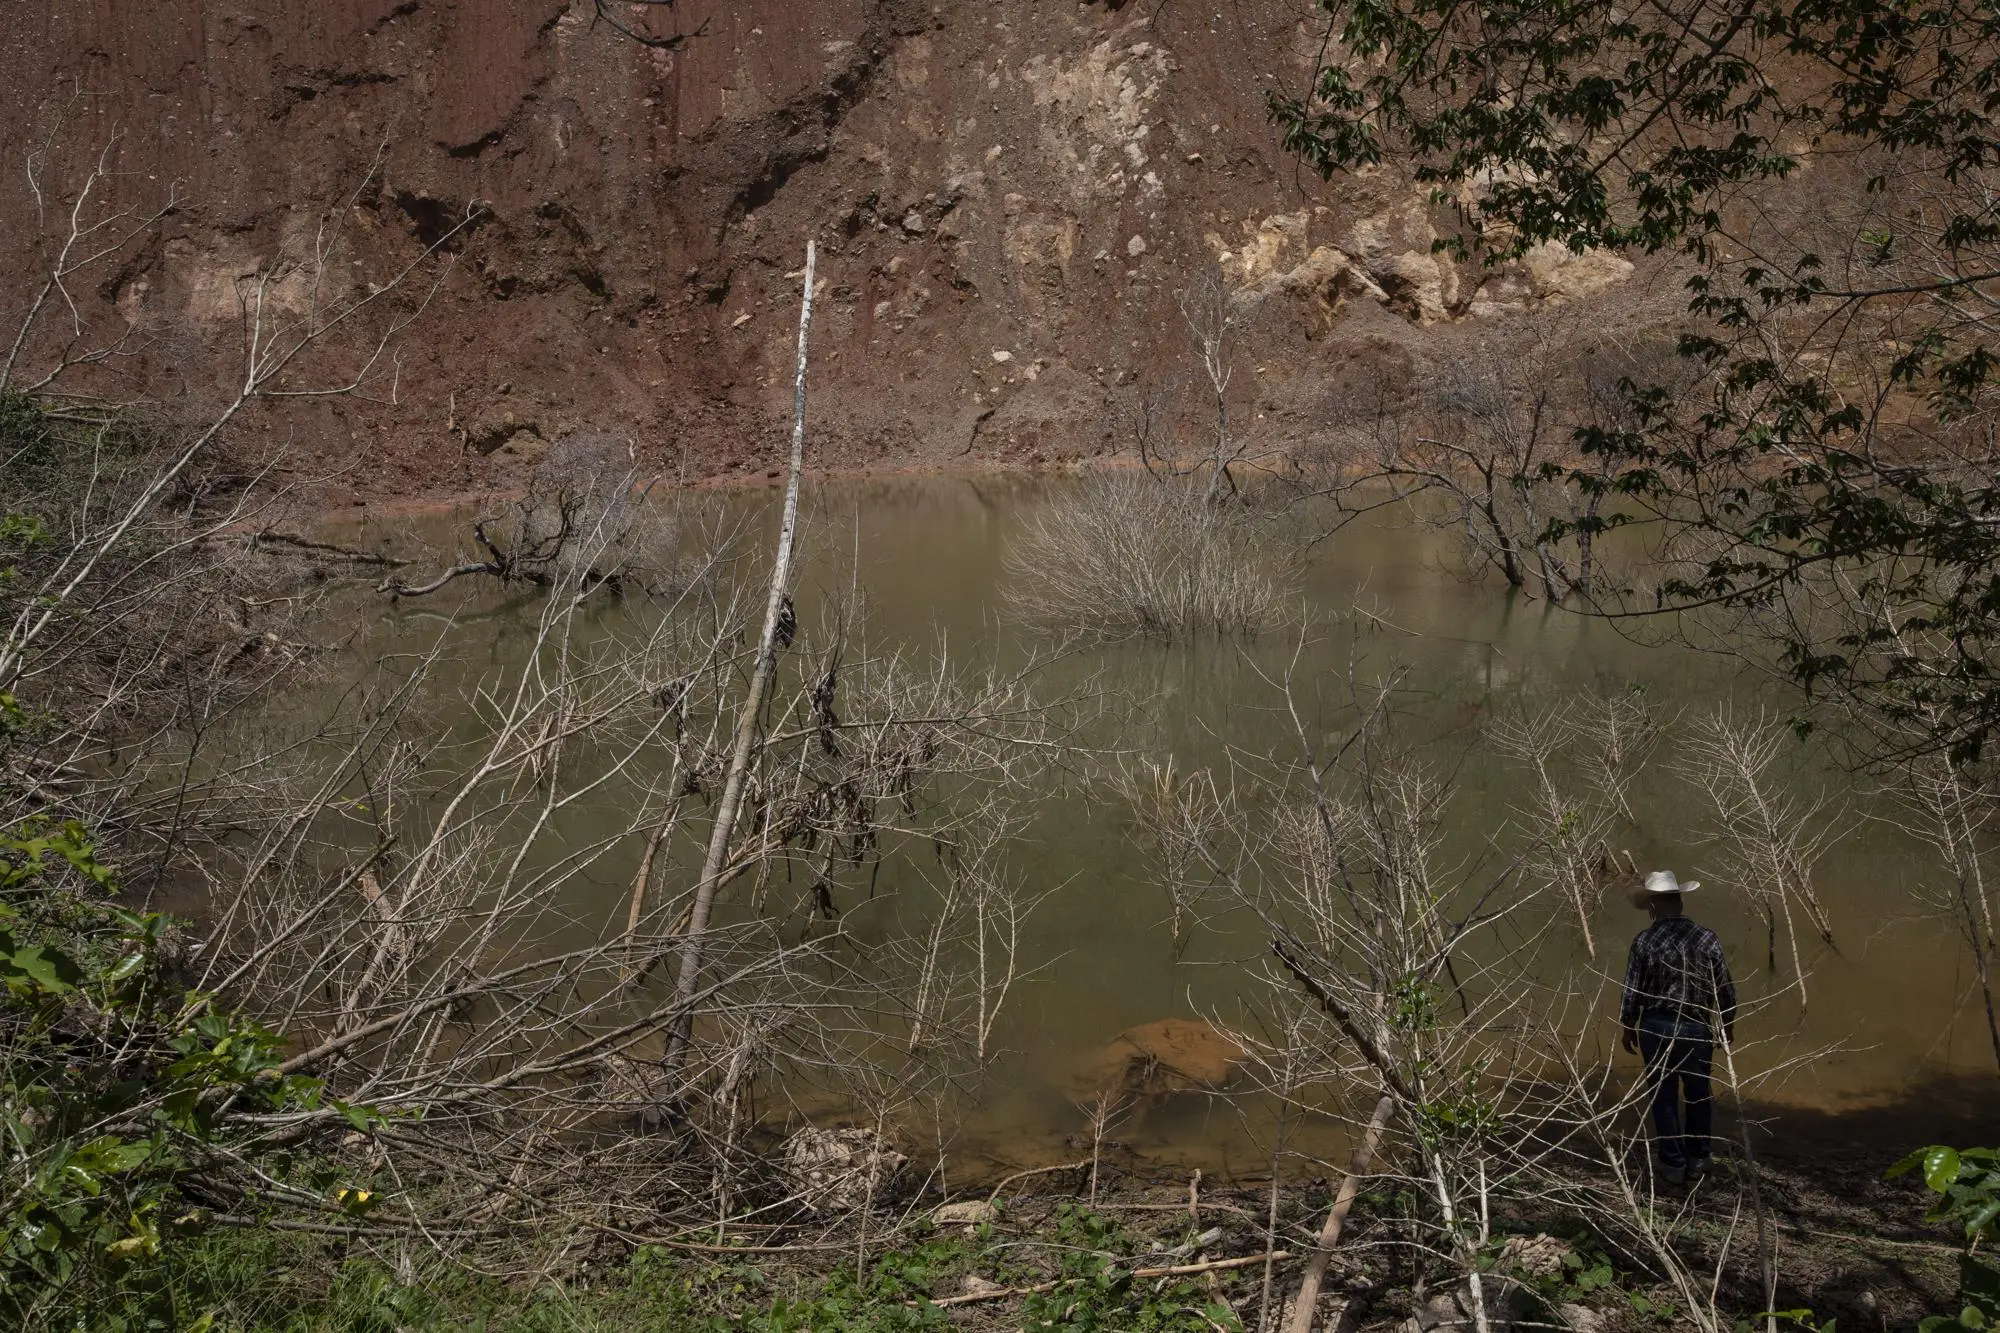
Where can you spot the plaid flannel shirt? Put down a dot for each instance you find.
(1676, 969)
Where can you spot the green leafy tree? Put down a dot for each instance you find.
(1967, 1183)
(131, 1108)
(1821, 172)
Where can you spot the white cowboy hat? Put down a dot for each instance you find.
(1663, 881)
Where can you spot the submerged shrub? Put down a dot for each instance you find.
(1130, 554)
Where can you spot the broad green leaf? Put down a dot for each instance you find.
(1907, 1163)
(124, 968)
(43, 967)
(1940, 1168)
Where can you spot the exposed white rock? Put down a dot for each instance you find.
(1093, 111)
(1581, 1318)
(839, 1170)
(1559, 273)
(965, 1213)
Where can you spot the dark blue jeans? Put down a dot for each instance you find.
(1677, 1057)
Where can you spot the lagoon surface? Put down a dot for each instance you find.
(1891, 1008)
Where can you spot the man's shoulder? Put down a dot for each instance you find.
(1701, 937)
(1677, 928)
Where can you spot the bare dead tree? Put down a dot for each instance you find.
(1486, 447)
(1768, 837)
(1182, 822)
(1210, 318)
(973, 954)
(1579, 760)
(1947, 806)
(777, 610)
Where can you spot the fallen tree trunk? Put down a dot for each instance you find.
(1329, 1235)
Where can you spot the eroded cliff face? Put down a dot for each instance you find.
(1009, 197)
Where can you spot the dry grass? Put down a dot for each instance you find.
(1131, 555)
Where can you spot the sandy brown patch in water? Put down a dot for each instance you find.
(1156, 1060)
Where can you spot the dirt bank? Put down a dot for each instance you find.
(1009, 197)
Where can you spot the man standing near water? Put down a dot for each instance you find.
(1678, 993)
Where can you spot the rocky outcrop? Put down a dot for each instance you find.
(627, 222)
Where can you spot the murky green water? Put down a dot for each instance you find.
(1889, 1006)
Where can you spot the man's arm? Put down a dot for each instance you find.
(1628, 1005)
(1725, 989)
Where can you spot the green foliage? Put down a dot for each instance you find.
(116, 1089)
(1654, 1308)
(894, 1297)
(1836, 476)
(49, 459)
(1094, 1291)
(1417, 999)
(1584, 1272)
(1967, 1183)
(1587, 1276)
(1799, 1321)
(1588, 123)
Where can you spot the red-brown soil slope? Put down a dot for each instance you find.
(1008, 196)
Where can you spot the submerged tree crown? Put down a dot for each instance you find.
(1822, 169)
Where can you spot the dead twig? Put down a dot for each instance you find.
(1171, 1270)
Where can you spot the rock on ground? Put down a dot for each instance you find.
(840, 1170)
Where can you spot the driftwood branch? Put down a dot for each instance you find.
(329, 550)
(1083, 1165)
(1171, 1270)
(397, 588)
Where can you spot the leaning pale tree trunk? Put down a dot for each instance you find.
(761, 674)
(1307, 1301)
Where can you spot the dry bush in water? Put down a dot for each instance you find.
(1125, 555)
(1486, 447)
(406, 872)
(467, 918)
(585, 501)
(1952, 808)
(1578, 758)
(1431, 972)
(1767, 833)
